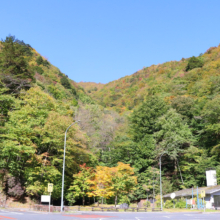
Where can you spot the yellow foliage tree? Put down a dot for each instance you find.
(101, 183)
(115, 181)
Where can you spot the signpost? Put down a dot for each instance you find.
(50, 190)
(172, 196)
(45, 198)
(203, 196)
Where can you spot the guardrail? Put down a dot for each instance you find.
(45, 208)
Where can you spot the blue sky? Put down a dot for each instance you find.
(103, 40)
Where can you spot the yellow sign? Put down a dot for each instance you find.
(50, 187)
(202, 193)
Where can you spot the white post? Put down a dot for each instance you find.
(49, 202)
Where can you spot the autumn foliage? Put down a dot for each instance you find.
(103, 182)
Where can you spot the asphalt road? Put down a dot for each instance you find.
(21, 215)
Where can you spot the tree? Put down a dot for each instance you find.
(142, 120)
(123, 180)
(80, 185)
(101, 183)
(65, 82)
(194, 62)
(173, 135)
(13, 60)
(39, 60)
(15, 71)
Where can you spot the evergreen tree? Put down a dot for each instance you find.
(194, 62)
(65, 82)
(13, 61)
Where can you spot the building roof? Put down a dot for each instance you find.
(188, 192)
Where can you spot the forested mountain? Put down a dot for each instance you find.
(199, 78)
(91, 87)
(125, 126)
(37, 104)
(173, 108)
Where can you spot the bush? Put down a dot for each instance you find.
(39, 60)
(147, 204)
(181, 203)
(65, 82)
(75, 102)
(39, 70)
(168, 204)
(124, 199)
(60, 73)
(194, 63)
(73, 90)
(46, 63)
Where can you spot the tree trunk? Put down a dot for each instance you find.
(83, 200)
(116, 197)
(102, 200)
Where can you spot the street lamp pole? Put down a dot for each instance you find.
(64, 154)
(161, 205)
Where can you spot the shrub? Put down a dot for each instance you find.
(73, 90)
(46, 63)
(75, 102)
(181, 203)
(168, 204)
(39, 60)
(146, 204)
(65, 82)
(39, 69)
(124, 199)
(60, 74)
(194, 62)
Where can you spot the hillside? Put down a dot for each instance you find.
(169, 80)
(171, 109)
(37, 104)
(91, 87)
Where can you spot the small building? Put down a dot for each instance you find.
(212, 192)
(212, 197)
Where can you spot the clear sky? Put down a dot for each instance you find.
(103, 40)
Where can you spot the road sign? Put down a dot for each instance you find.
(45, 198)
(50, 187)
(202, 193)
(172, 195)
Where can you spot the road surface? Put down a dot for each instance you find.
(31, 215)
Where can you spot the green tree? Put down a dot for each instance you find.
(194, 62)
(13, 60)
(123, 180)
(142, 120)
(173, 135)
(39, 60)
(80, 186)
(65, 82)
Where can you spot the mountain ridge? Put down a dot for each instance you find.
(127, 92)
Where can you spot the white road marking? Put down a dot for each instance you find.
(17, 213)
(166, 216)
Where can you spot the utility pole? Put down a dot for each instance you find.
(64, 154)
(161, 203)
